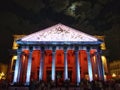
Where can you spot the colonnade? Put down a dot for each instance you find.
(54, 48)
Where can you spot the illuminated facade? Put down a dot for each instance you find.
(3, 71)
(58, 53)
(114, 68)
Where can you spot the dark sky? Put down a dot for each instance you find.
(95, 17)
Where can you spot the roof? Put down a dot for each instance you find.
(58, 33)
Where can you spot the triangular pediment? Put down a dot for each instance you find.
(59, 33)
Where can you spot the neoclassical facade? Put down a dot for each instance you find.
(57, 53)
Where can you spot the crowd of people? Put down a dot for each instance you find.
(4, 85)
(83, 85)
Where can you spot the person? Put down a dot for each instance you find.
(67, 84)
(81, 85)
(49, 86)
(32, 85)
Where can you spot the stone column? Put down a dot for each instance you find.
(89, 64)
(77, 65)
(65, 64)
(100, 65)
(28, 74)
(41, 65)
(53, 63)
(94, 63)
(94, 66)
(17, 66)
(41, 61)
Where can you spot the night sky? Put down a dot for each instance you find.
(95, 17)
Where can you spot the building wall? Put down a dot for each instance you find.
(3, 71)
(14, 57)
(114, 68)
(103, 56)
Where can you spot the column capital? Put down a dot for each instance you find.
(83, 47)
(47, 47)
(24, 47)
(36, 48)
(59, 48)
(87, 48)
(30, 48)
(79, 47)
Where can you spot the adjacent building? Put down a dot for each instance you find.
(114, 68)
(3, 71)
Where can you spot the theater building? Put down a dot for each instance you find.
(57, 53)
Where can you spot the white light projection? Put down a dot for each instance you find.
(58, 33)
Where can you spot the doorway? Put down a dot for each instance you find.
(59, 77)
